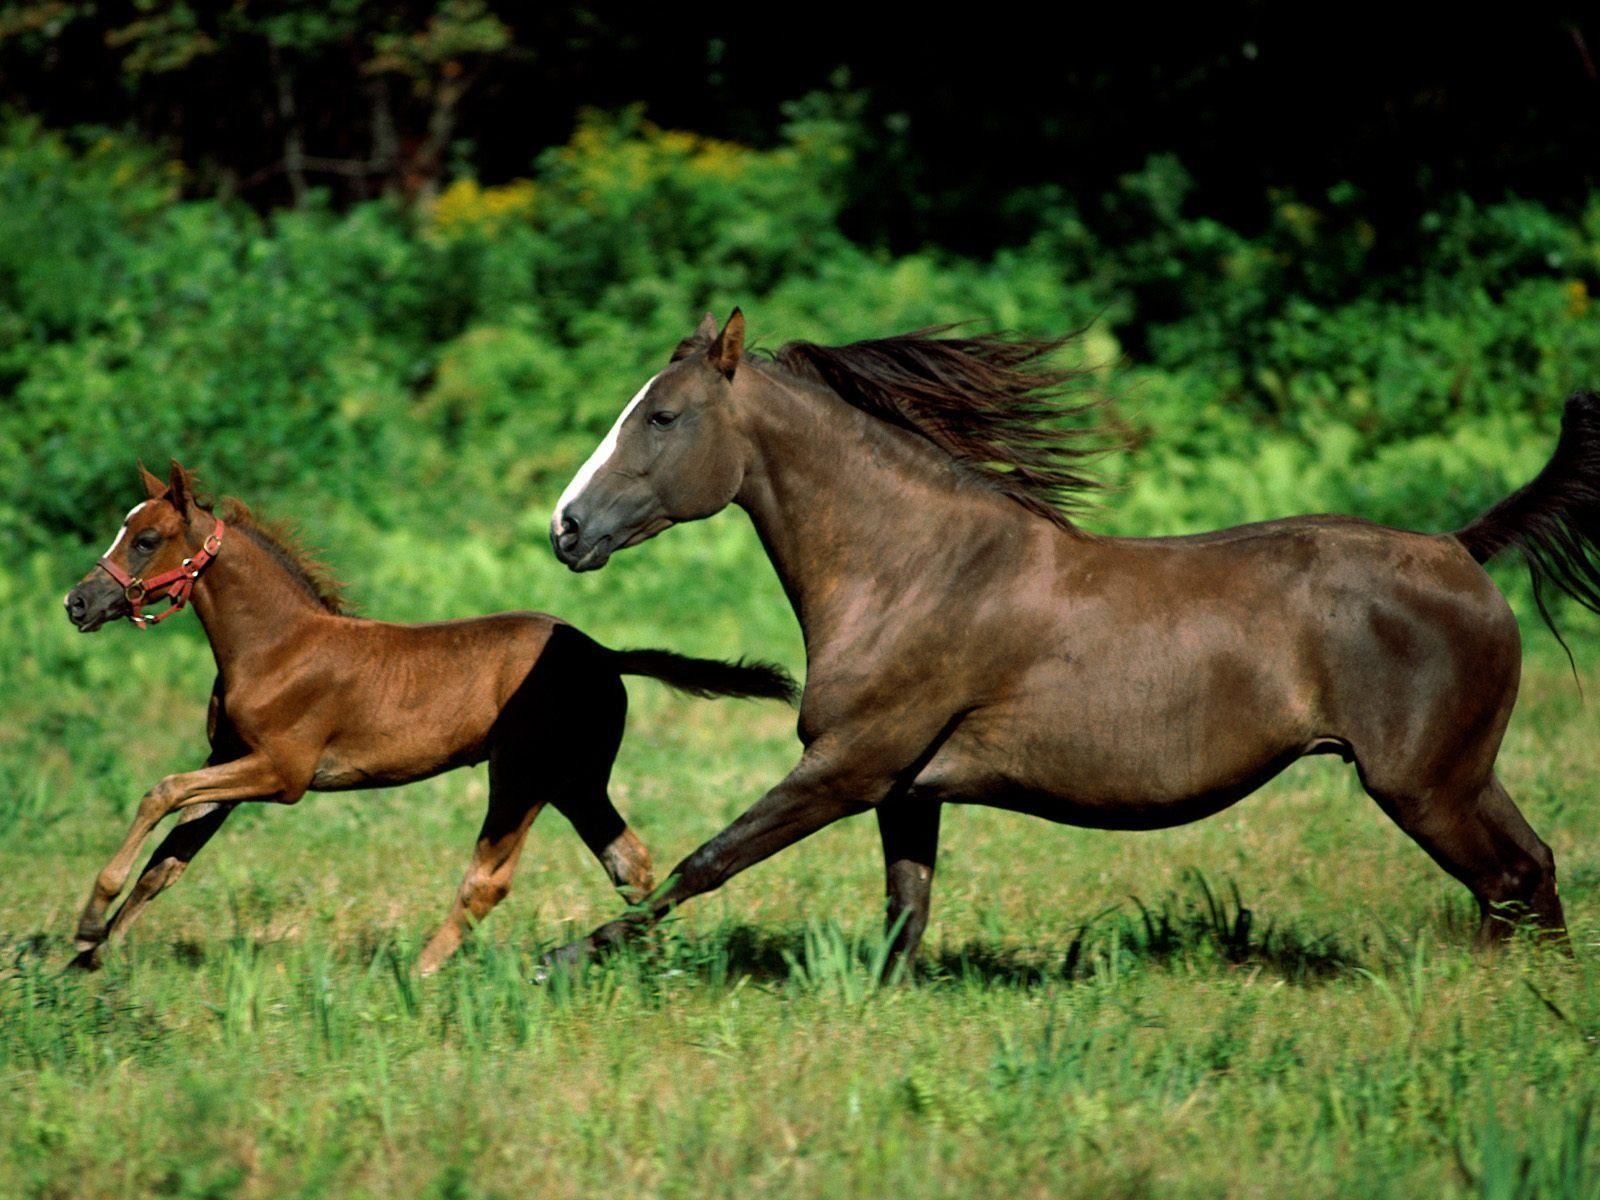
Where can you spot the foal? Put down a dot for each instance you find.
(310, 699)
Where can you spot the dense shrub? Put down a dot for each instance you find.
(375, 356)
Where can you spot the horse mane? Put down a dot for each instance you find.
(280, 541)
(991, 402)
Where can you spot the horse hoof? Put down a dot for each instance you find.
(87, 959)
(563, 959)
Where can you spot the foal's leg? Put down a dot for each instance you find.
(909, 829)
(195, 828)
(252, 777)
(625, 858)
(1477, 834)
(591, 749)
(828, 783)
(512, 808)
(560, 731)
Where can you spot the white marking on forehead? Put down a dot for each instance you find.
(113, 547)
(601, 454)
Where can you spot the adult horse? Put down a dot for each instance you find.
(309, 698)
(967, 643)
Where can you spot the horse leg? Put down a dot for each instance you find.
(909, 830)
(512, 808)
(195, 828)
(591, 750)
(1477, 834)
(252, 777)
(825, 786)
(625, 858)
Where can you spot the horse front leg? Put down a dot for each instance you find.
(171, 858)
(833, 779)
(252, 777)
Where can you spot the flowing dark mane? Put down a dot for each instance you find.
(279, 541)
(991, 402)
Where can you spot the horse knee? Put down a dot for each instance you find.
(478, 896)
(159, 800)
(1528, 876)
(1522, 888)
(165, 874)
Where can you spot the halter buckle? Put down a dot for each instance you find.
(134, 591)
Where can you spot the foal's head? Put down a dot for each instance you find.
(676, 453)
(157, 535)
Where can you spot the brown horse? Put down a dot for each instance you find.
(310, 699)
(966, 642)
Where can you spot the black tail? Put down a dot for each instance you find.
(1555, 519)
(707, 677)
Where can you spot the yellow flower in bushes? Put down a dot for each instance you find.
(465, 206)
(1577, 297)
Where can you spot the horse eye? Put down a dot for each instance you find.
(146, 541)
(662, 419)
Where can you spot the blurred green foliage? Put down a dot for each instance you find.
(374, 358)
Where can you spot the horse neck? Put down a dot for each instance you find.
(851, 510)
(248, 602)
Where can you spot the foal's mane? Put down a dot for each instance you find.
(993, 403)
(278, 540)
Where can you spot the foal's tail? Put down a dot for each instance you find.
(1554, 519)
(708, 677)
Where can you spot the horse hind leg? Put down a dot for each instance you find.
(576, 704)
(909, 830)
(555, 741)
(512, 809)
(1477, 834)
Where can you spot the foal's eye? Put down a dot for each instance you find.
(661, 420)
(147, 541)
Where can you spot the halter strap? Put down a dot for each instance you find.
(175, 585)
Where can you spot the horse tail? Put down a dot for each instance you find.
(708, 677)
(1554, 519)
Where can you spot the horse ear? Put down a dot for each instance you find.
(728, 349)
(705, 333)
(179, 489)
(154, 486)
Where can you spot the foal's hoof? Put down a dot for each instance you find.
(85, 959)
(91, 933)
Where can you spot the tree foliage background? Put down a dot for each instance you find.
(1340, 260)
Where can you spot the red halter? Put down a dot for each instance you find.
(174, 585)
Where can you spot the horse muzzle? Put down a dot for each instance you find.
(577, 547)
(91, 605)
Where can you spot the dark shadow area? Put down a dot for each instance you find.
(1202, 925)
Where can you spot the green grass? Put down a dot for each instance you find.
(1278, 1001)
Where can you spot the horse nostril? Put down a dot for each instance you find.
(75, 604)
(567, 536)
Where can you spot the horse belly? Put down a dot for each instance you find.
(1159, 744)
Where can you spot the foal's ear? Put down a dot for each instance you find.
(154, 486)
(705, 333)
(728, 349)
(179, 489)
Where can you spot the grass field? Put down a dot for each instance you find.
(1278, 1001)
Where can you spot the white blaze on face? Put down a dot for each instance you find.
(118, 540)
(602, 453)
